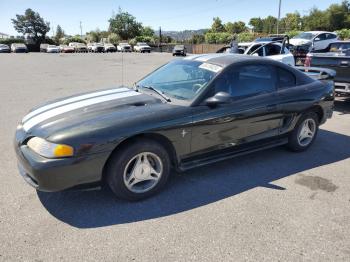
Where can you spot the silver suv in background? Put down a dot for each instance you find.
(19, 48)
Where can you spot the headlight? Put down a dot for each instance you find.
(48, 149)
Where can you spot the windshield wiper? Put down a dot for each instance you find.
(156, 91)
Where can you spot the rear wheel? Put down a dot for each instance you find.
(304, 133)
(138, 170)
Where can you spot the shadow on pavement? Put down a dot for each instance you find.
(198, 187)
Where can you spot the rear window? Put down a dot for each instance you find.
(339, 47)
(285, 79)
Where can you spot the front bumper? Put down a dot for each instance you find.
(58, 174)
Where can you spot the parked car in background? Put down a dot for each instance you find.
(124, 47)
(79, 47)
(4, 48)
(53, 49)
(314, 40)
(43, 48)
(272, 50)
(337, 57)
(66, 49)
(305, 42)
(188, 113)
(109, 48)
(142, 48)
(19, 48)
(179, 50)
(271, 38)
(95, 47)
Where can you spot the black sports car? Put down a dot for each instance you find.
(188, 113)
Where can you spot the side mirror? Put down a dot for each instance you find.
(218, 99)
(317, 39)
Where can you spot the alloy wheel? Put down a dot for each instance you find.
(307, 132)
(143, 172)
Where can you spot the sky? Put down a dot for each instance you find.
(170, 15)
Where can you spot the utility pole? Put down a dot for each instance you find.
(81, 30)
(160, 39)
(279, 16)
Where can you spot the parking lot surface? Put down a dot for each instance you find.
(268, 206)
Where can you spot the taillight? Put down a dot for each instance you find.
(307, 62)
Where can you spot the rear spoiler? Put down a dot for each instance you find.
(317, 72)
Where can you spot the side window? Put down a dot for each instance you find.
(321, 37)
(259, 50)
(252, 80)
(272, 49)
(285, 78)
(331, 36)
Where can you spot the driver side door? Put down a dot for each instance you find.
(251, 115)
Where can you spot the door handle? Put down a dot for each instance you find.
(271, 107)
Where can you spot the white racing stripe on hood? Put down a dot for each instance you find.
(70, 107)
(71, 100)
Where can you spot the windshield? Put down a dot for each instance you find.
(181, 79)
(307, 36)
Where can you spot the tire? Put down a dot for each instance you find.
(122, 163)
(295, 143)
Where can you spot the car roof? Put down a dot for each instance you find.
(226, 59)
(319, 32)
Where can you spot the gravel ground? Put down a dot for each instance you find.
(268, 206)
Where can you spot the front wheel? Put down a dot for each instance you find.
(304, 133)
(138, 170)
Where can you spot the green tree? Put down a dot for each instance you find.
(269, 24)
(235, 28)
(316, 20)
(113, 38)
(125, 25)
(339, 16)
(218, 38)
(291, 22)
(197, 39)
(257, 24)
(31, 23)
(59, 34)
(217, 26)
(147, 31)
(94, 36)
(76, 39)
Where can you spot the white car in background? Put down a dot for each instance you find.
(316, 40)
(109, 48)
(142, 48)
(52, 49)
(124, 47)
(273, 50)
(95, 47)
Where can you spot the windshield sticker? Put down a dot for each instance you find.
(211, 67)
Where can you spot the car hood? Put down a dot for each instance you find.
(87, 110)
(298, 41)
